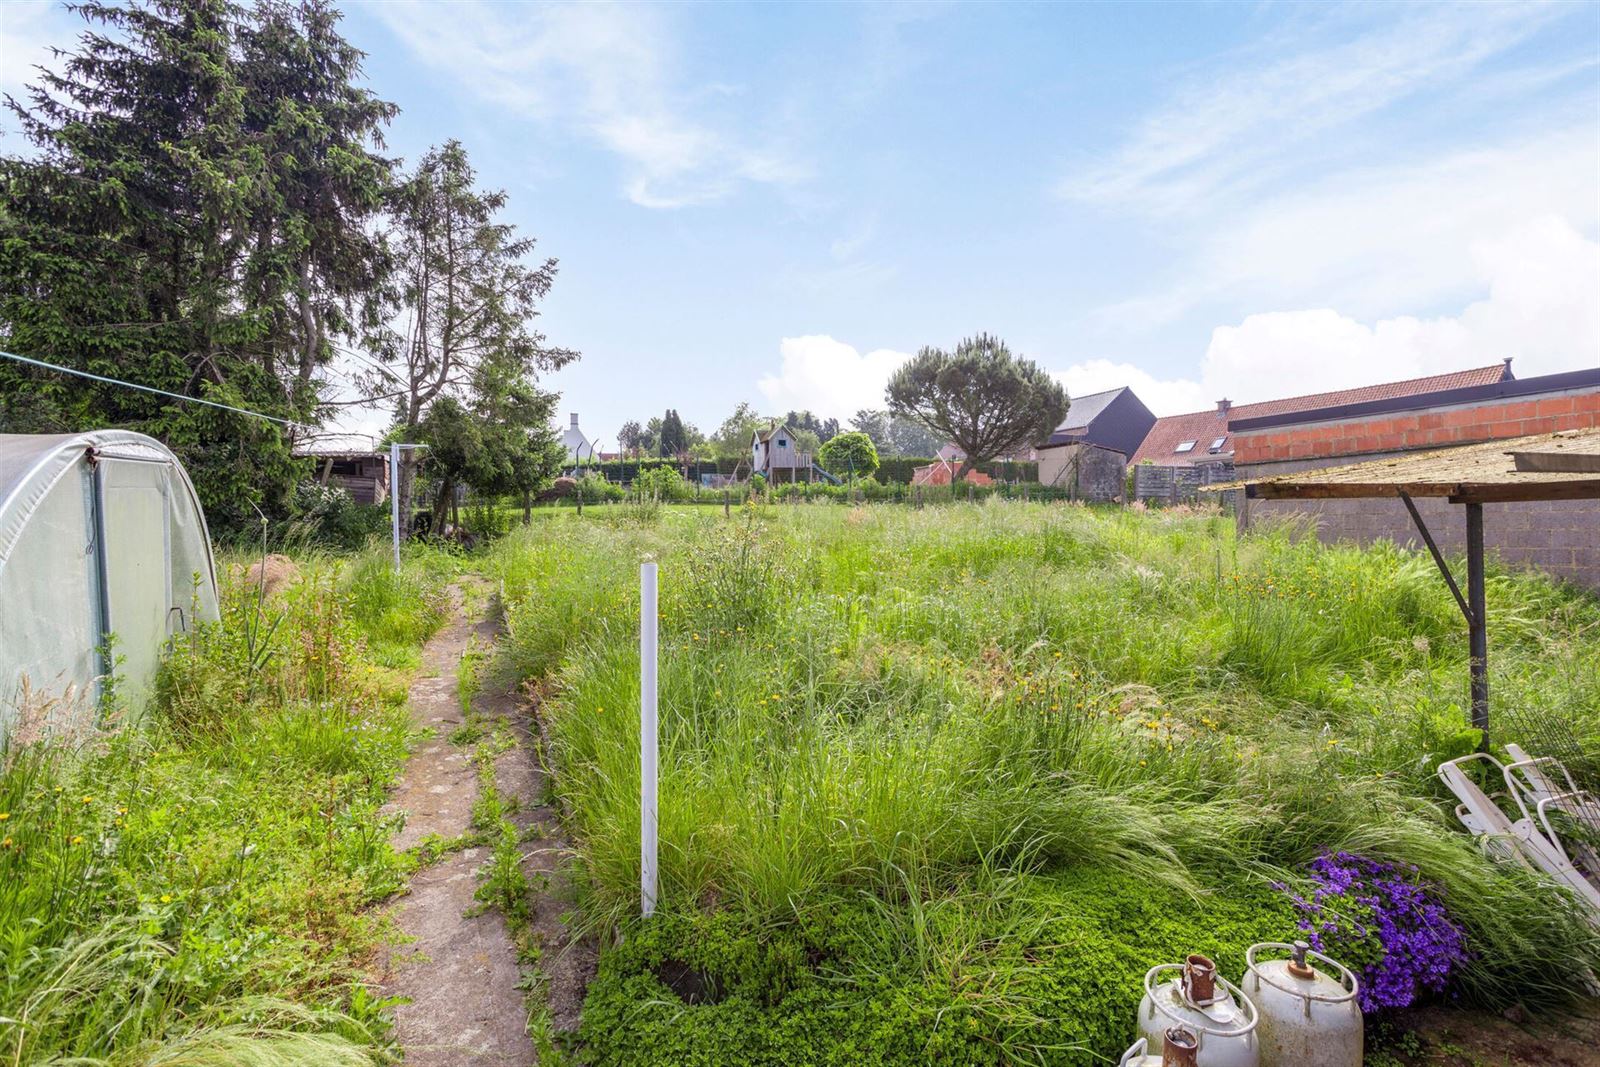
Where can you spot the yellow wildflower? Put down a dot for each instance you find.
(166, 898)
(77, 839)
(4, 815)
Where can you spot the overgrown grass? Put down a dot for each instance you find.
(196, 891)
(862, 701)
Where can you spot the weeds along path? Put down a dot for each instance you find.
(489, 978)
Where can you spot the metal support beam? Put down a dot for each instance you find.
(1438, 557)
(1472, 605)
(1477, 621)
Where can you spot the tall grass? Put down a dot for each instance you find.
(854, 698)
(194, 891)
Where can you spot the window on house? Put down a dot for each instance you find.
(782, 443)
(1185, 446)
(1216, 445)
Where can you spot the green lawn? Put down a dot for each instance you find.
(939, 785)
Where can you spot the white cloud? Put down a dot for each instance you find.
(1160, 395)
(829, 377)
(1541, 307)
(604, 70)
(1252, 117)
(1380, 241)
(28, 29)
(24, 43)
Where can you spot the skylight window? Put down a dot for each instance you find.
(1185, 446)
(1216, 445)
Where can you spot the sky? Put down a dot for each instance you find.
(780, 203)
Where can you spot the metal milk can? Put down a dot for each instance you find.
(1217, 1012)
(1178, 1047)
(1308, 1017)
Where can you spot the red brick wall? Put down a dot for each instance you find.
(1561, 538)
(1404, 431)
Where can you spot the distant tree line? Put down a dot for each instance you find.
(208, 209)
(667, 436)
(979, 397)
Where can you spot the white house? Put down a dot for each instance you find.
(573, 440)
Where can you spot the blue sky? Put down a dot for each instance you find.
(777, 203)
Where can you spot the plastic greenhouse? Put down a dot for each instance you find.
(100, 533)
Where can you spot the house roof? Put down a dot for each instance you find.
(1085, 409)
(766, 435)
(1203, 427)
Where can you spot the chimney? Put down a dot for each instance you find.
(574, 420)
(1508, 376)
(1223, 407)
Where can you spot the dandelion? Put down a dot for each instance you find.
(4, 815)
(166, 898)
(77, 839)
(88, 800)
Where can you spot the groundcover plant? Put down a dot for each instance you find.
(940, 785)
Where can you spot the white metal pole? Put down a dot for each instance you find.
(647, 737)
(394, 497)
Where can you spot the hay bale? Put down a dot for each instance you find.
(271, 574)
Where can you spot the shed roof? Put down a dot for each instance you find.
(1085, 409)
(1554, 466)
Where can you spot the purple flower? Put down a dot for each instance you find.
(1384, 922)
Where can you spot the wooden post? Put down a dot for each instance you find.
(1477, 622)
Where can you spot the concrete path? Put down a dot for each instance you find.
(461, 974)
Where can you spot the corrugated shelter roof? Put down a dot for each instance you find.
(1554, 466)
(1204, 427)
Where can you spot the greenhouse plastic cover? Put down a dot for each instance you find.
(156, 562)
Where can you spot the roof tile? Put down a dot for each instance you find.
(1161, 442)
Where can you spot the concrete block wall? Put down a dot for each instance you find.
(1088, 472)
(1155, 483)
(1561, 538)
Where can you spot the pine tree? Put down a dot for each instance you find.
(198, 170)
